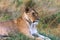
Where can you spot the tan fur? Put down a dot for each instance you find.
(20, 24)
(23, 25)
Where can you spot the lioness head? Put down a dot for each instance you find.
(31, 14)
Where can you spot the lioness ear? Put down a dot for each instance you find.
(27, 9)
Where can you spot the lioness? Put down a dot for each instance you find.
(25, 24)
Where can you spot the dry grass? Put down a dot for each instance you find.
(11, 9)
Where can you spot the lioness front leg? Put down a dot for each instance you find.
(37, 35)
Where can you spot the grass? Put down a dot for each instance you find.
(5, 17)
(18, 36)
(48, 26)
(43, 29)
(51, 36)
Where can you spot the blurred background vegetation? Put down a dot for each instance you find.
(49, 12)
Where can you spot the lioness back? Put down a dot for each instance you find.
(7, 27)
